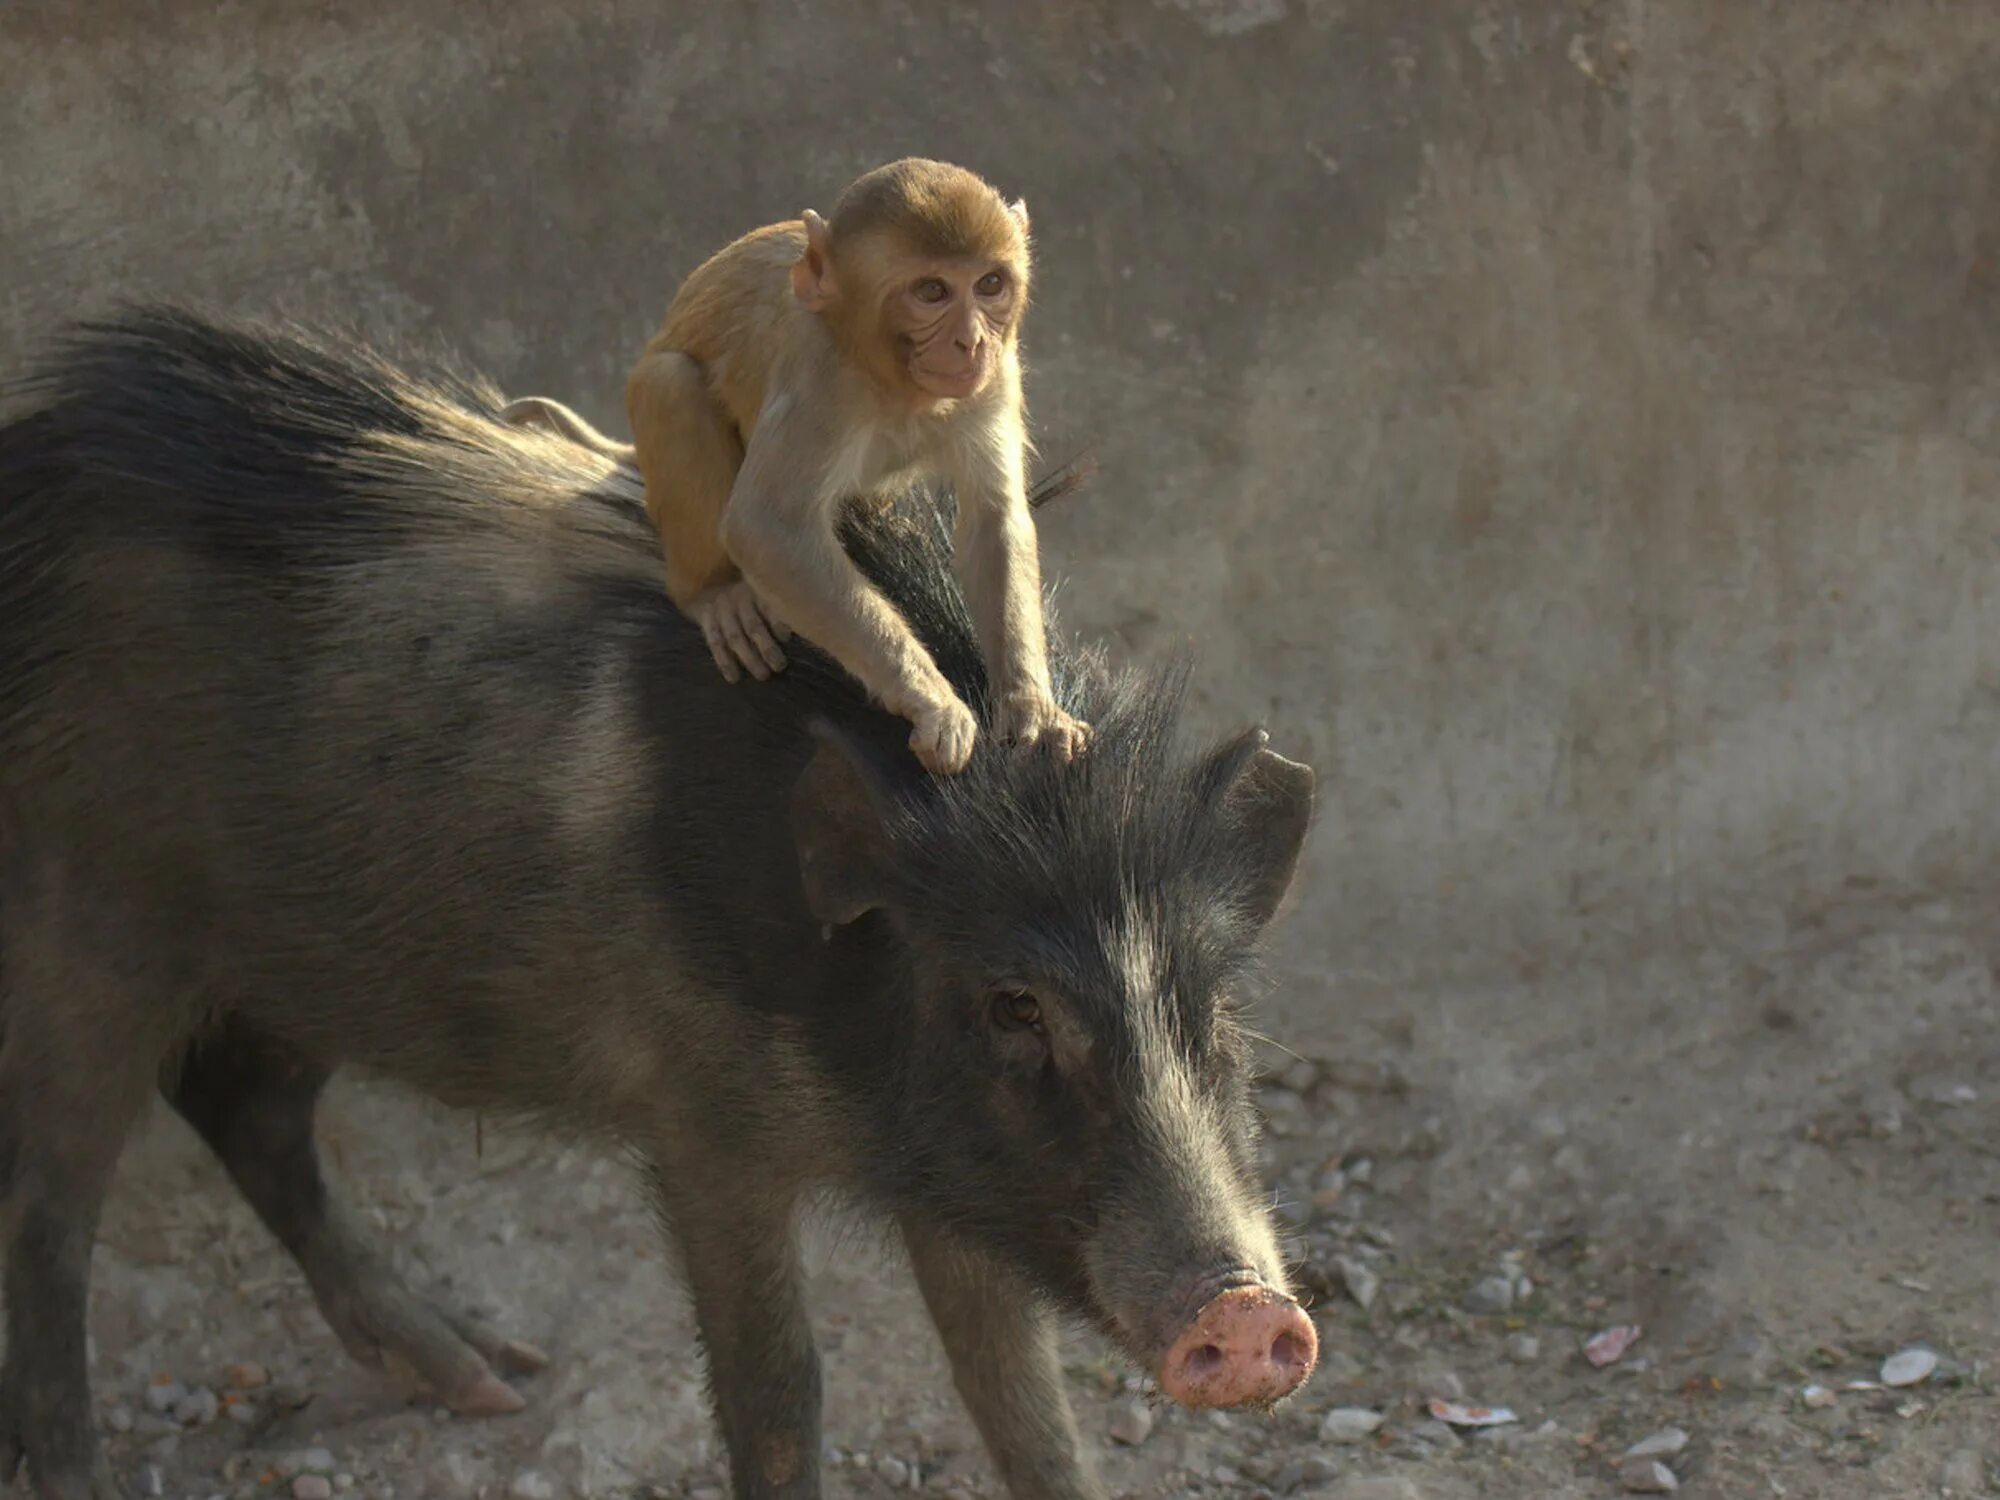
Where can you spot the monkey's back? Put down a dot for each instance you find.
(728, 313)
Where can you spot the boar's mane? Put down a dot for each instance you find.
(294, 452)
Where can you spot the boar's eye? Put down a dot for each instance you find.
(1016, 1009)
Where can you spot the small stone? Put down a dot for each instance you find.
(1817, 1397)
(316, 1460)
(343, 1482)
(532, 1484)
(197, 1408)
(1362, 1284)
(162, 1396)
(1305, 1469)
(1908, 1367)
(1301, 1076)
(1662, 1444)
(249, 1376)
(1436, 1381)
(893, 1472)
(1131, 1422)
(1491, 1294)
(118, 1419)
(243, 1413)
(1523, 1348)
(154, 1482)
(1349, 1424)
(312, 1487)
(1647, 1476)
(706, 1492)
(1964, 1473)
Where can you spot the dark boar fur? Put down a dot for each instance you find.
(341, 725)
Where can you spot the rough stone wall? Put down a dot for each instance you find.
(1573, 426)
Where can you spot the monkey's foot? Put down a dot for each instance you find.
(1025, 720)
(742, 635)
(943, 735)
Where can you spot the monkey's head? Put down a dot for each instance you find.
(922, 274)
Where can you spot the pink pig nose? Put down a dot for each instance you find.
(1247, 1347)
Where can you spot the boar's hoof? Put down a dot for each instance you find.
(1250, 1346)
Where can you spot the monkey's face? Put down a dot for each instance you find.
(951, 322)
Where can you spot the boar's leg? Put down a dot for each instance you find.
(741, 1265)
(71, 1083)
(1002, 1347)
(252, 1097)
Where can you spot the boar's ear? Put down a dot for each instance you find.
(1266, 804)
(837, 826)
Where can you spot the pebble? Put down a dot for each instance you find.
(316, 1460)
(197, 1408)
(343, 1481)
(1817, 1396)
(164, 1396)
(243, 1413)
(1523, 1348)
(707, 1492)
(118, 1419)
(1648, 1476)
(1908, 1367)
(893, 1472)
(1348, 1424)
(312, 1487)
(1362, 1284)
(155, 1484)
(1964, 1473)
(1131, 1422)
(1305, 1469)
(1662, 1444)
(248, 1376)
(1491, 1294)
(532, 1484)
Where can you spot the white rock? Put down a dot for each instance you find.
(532, 1484)
(312, 1487)
(1817, 1396)
(1523, 1348)
(1908, 1367)
(893, 1472)
(1349, 1424)
(1648, 1476)
(1131, 1422)
(1362, 1284)
(1662, 1444)
(118, 1419)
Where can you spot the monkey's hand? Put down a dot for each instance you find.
(943, 732)
(1026, 719)
(741, 634)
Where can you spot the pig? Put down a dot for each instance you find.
(343, 725)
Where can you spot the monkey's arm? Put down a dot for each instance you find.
(998, 559)
(779, 528)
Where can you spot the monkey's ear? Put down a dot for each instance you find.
(837, 825)
(812, 272)
(1267, 804)
(1019, 209)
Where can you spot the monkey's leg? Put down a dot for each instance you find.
(689, 453)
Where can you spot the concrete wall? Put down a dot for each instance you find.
(1573, 426)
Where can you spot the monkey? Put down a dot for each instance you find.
(818, 360)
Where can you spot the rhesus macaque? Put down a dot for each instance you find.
(814, 361)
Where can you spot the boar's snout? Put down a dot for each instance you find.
(1248, 1346)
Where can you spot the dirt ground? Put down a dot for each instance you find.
(1776, 1154)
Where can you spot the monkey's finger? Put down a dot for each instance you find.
(760, 637)
(725, 659)
(740, 647)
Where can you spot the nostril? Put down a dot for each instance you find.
(1288, 1351)
(1202, 1362)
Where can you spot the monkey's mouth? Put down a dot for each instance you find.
(952, 382)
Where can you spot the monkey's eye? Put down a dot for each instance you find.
(992, 284)
(931, 289)
(1016, 1009)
